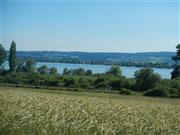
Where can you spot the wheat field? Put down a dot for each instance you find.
(41, 112)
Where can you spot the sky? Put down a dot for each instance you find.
(90, 26)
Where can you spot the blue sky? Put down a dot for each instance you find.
(92, 26)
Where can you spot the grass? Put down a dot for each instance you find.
(49, 112)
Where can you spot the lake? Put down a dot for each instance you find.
(126, 71)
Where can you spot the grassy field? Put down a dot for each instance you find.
(47, 112)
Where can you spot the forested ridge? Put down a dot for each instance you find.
(146, 59)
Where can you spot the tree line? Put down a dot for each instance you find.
(24, 72)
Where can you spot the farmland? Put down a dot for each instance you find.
(32, 111)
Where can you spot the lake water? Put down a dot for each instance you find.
(126, 71)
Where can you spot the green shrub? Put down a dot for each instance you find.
(12, 78)
(125, 91)
(117, 84)
(157, 92)
(52, 82)
(115, 71)
(83, 83)
(70, 82)
(37, 87)
(102, 83)
(174, 96)
(176, 84)
(75, 90)
(146, 79)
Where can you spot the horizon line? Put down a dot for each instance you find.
(95, 51)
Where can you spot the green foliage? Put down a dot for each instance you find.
(102, 83)
(12, 57)
(177, 57)
(89, 72)
(157, 92)
(13, 78)
(84, 83)
(3, 55)
(175, 83)
(70, 82)
(30, 65)
(43, 79)
(115, 70)
(168, 88)
(43, 69)
(53, 71)
(20, 66)
(146, 79)
(78, 71)
(26, 66)
(117, 84)
(125, 91)
(66, 71)
(176, 71)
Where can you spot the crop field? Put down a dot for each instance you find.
(26, 111)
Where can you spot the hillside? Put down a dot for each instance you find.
(150, 59)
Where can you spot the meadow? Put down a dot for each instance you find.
(27, 111)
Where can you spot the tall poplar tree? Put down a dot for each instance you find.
(12, 57)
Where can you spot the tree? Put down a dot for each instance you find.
(53, 71)
(20, 66)
(102, 83)
(146, 79)
(30, 65)
(176, 71)
(26, 66)
(12, 57)
(89, 72)
(43, 69)
(79, 71)
(3, 55)
(70, 82)
(66, 71)
(115, 70)
(117, 84)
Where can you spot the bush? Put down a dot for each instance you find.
(115, 70)
(3, 72)
(13, 78)
(174, 96)
(75, 90)
(117, 84)
(52, 82)
(157, 92)
(70, 82)
(102, 83)
(83, 83)
(176, 84)
(125, 91)
(89, 72)
(146, 79)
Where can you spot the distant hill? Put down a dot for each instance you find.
(153, 59)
